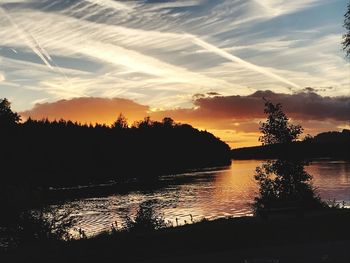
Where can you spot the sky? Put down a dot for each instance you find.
(204, 62)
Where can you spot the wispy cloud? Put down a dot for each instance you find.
(116, 5)
(162, 52)
(242, 62)
(280, 7)
(172, 4)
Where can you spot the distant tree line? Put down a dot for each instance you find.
(331, 144)
(57, 153)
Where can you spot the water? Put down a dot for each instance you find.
(213, 193)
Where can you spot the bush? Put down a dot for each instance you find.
(41, 225)
(146, 219)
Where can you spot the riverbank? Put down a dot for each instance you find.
(314, 237)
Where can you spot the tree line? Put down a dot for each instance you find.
(332, 144)
(61, 152)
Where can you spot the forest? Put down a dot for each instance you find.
(43, 153)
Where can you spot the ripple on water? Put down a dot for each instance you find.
(211, 194)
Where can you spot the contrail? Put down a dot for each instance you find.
(248, 65)
(31, 42)
(35, 46)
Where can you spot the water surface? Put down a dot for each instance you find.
(211, 193)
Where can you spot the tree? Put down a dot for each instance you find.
(277, 128)
(144, 124)
(283, 183)
(120, 123)
(8, 118)
(346, 36)
(168, 122)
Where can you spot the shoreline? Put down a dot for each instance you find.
(221, 240)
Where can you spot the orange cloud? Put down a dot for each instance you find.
(88, 110)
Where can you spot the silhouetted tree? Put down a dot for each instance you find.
(277, 128)
(283, 183)
(144, 124)
(308, 138)
(120, 123)
(8, 118)
(168, 122)
(346, 36)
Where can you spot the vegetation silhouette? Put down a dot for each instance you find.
(331, 144)
(43, 153)
(277, 128)
(283, 183)
(146, 219)
(45, 224)
(42, 224)
(8, 118)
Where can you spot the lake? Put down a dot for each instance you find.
(210, 193)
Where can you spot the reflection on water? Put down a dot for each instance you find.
(211, 194)
(332, 179)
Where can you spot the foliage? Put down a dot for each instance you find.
(277, 128)
(8, 118)
(146, 219)
(283, 183)
(144, 124)
(45, 224)
(35, 225)
(308, 138)
(346, 36)
(120, 123)
(168, 122)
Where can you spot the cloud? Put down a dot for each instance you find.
(172, 4)
(235, 119)
(160, 53)
(276, 8)
(88, 110)
(116, 5)
(241, 62)
(303, 105)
